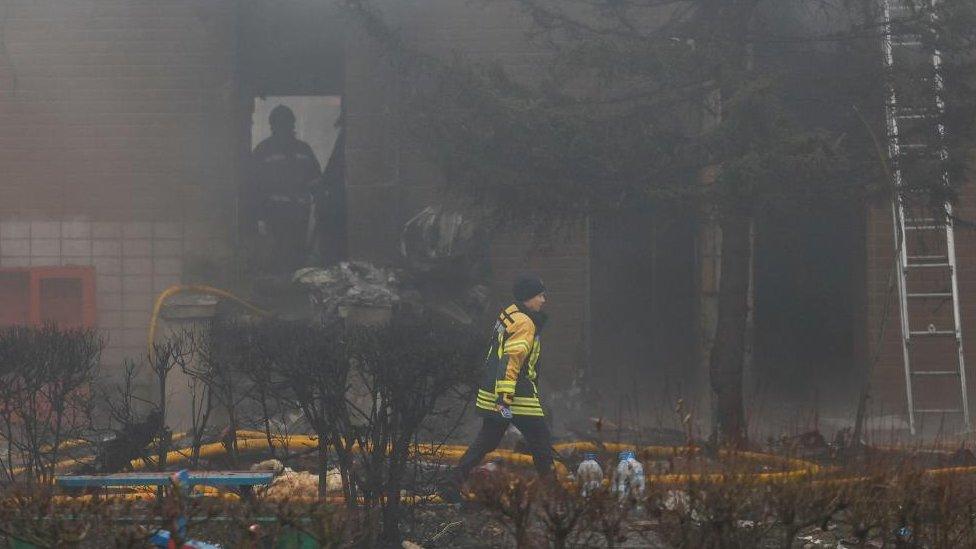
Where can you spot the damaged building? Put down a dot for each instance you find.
(126, 128)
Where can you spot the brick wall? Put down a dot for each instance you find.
(134, 261)
(118, 144)
(883, 330)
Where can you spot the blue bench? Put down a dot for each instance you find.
(244, 481)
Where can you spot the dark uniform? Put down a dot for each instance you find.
(282, 179)
(511, 380)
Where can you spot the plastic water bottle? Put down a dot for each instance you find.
(640, 484)
(505, 411)
(485, 471)
(628, 478)
(589, 474)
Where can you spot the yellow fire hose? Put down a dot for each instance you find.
(197, 288)
(83, 442)
(253, 441)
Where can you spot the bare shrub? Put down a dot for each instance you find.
(34, 516)
(312, 362)
(220, 352)
(511, 499)
(366, 392)
(136, 421)
(406, 370)
(174, 351)
(46, 375)
(267, 389)
(562, 510)
(798, 504)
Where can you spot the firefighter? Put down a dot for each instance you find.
(278, 199)
(509, 392)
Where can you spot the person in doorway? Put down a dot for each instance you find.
(509, 392)
(278, 198)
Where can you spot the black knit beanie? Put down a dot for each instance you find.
(526, 287)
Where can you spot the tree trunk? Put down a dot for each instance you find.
(163, 448)
(728, 351)
(323, 457)
(391, 510)
(267, 424)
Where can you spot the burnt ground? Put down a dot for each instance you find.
(474, 527)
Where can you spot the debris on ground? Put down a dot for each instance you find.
(486, 471)
(963, 457)
(273, 465)
(357, 287)
(129, 443)
(348, 284)
(444, 252)
(302, 484)
(443, 266)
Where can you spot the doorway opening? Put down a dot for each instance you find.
(291, 55)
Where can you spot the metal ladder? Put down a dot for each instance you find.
(924, 238)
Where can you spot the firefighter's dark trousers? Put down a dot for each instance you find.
(534, 430)
(288, 223)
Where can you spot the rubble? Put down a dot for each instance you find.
(301, 484)
(289, 483)
(487, 470)
(348, 284)
(443, 254)
(273, 465)
(436, 237)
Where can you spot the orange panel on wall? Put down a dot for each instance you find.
(59, 295)
(61, 301)
(14, 297)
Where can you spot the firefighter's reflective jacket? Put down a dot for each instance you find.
(511, 365)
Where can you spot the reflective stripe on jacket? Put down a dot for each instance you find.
(511, 365)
